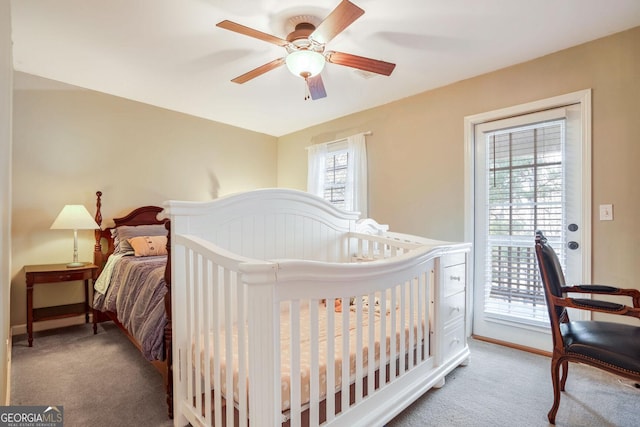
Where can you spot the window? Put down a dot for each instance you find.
(335, 177)
(525, 190)
(338, 173)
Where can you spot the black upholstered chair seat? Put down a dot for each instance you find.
(614, 343)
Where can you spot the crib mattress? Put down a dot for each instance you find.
(323, 337)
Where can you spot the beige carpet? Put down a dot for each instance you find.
(100, 380)
(506, 387)
(103, 380)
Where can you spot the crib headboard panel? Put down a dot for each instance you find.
(268, 224)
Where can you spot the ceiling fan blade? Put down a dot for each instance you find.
(360, 62)
(238, 28)
(259, 71)
(340, 18)
(316, 87)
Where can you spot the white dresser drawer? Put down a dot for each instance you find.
(454, 279)
(453, 307)
(453, 341)
(453, 259)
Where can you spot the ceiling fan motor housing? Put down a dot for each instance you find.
(299, 39)
(302, 30)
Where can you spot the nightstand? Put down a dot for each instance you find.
(56, 273)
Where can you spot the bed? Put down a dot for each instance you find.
(131, 289)
(288, 311)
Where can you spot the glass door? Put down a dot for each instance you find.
(528, 172)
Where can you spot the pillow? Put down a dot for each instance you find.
(149, 245)
(126, 232)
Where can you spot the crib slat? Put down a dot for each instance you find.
(331, 364)
(411, 321)
(383, 338)
(277, 363)
(345, 354)
(429, 312)
(242, 351)
(314, 374)
(228, 344)
(422, 316)
(264, 358)
(216, 310)
(294, 351)
(359, 371)
(345, 249)
(190, 321)
(403, 327)
(206, 327)
(393, 334)
(371, 366)
(197, 333)
(419, 318)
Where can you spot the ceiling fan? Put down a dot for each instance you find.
(305, 47)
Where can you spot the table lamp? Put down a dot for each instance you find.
(74, 217)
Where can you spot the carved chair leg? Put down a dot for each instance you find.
(565, 372)
(555, 380)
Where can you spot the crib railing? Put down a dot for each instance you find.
(370, 247)
(336, 334)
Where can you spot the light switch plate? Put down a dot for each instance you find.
(606, 212)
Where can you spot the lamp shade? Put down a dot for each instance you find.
(305, 63)
(74, 217)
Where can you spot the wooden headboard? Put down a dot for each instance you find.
(144, 215)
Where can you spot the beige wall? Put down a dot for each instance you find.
(416, 151)
(6, 70)
(70, 143)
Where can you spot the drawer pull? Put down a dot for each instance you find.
(455, 341)
(65, 277)
(457, 308)
(458, 278)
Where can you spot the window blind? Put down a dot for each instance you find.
(335, 177)
(525, 192)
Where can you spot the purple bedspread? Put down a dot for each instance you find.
(136, 293)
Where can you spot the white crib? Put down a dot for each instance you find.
(272, 290)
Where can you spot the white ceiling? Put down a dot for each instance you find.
(169, 53)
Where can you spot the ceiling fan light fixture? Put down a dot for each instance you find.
(305, 63)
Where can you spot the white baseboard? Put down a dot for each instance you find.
(50, 324)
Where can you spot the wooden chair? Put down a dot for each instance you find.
(613, 347)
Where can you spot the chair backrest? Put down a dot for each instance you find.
(552, 276)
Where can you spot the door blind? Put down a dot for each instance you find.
(525, 192)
